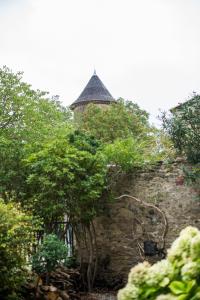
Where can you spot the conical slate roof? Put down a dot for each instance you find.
(95, 91)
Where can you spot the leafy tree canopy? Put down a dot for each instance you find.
(127, 139)
(27, 118)
(63, 178)
(25, 113)
(183, 126)
(118, 121)
(130, 154)
(83, 142)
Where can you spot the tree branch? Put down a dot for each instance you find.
(152, 206)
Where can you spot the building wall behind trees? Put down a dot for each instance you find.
(127, 224)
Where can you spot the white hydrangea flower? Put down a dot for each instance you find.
(138, 273)
(181, 246)
(183, 259)
(195, 247)
(130, 292)
(160, 273)
(189, 231)
(190, 270)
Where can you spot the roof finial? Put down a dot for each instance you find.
(94, 72)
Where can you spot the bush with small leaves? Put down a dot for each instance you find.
(16, 238)
(183, 127)
(51, 253)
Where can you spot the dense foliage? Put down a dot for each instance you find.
(16, 238)
(27, 117)
(129, 154)
(125, 135)
(50, 254)
(65, 177)
(183, 126)
(55, 166)
(122, 120)
(175, 278)
(38, 143)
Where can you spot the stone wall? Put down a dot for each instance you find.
(126, 224)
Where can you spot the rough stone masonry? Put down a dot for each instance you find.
(127, 224)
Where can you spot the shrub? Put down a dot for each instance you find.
(128, 154)
(16, 237)
(51, 253)
(123, 119)
(176, 277)
(183, 126)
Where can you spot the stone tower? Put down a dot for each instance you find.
(94, 92)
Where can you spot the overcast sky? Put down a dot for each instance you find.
(147, 51)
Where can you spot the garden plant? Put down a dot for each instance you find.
(175, 278)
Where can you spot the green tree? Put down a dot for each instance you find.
(183, 126)
(67, 177)
(25, 113)
(27, 117)
(130, 154)
(118, 121)
(16, 238)
(64, 180)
